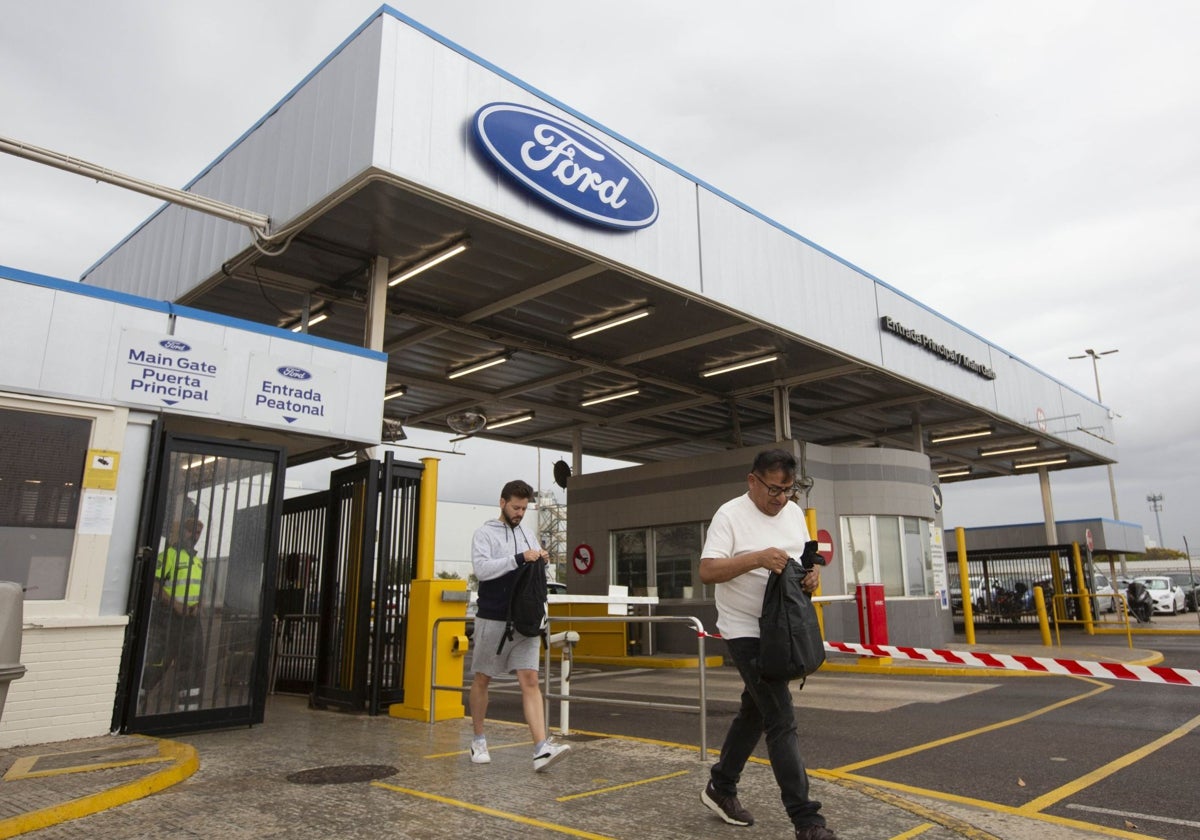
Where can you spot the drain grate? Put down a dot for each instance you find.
(341, 774)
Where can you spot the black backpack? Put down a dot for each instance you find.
(790, 643)
(527, 603)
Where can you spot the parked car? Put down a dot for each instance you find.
(1168, 596)
(1190, 584)
(1102, 587)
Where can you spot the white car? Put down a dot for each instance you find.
(1168, 597)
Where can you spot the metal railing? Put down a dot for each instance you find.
(565, 696)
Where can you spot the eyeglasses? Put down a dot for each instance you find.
(771, 489)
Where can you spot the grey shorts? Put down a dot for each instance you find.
(521, 654)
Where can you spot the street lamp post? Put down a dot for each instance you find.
(1112, 483)
(1155, 500)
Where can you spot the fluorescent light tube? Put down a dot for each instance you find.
(426, 264)
(619, 395)
(613, 322)
(1049, 462)
(959, 436)
(509, 421)
(759, 360)
(1008, 450)
(478, 366)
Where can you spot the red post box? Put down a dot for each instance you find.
(872, 614)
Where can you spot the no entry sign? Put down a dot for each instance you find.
(825, 545)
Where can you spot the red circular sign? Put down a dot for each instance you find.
(582, 558)
(825, 545)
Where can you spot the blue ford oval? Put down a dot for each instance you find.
(564, 165)
(174, 344)
(294, 372)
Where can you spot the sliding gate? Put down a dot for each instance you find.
(347, 559)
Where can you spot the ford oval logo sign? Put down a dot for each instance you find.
(294, 372)
(565, 166)
(173, 344)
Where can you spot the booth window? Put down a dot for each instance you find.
(892, 550)
(667, 555)
(41, 469)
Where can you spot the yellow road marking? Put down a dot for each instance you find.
(504, 815)
(916, 832)
(23, 768)
(491, 748)
(991, 727)
(1089, 779)
(871, 788)
(612, 788)
(184, 763)
(850, 780)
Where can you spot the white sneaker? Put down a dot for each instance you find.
(479, 753)
(551, 752)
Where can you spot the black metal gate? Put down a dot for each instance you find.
(1002, 581)
(346, 562)
(199, 639)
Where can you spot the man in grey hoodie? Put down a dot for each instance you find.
(498, 549)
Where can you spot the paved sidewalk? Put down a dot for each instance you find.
(310, 774)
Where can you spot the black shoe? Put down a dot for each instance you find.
(815, 832)
(726, 807)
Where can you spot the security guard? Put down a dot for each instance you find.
(176, 636)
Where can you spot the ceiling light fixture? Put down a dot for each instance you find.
(312, 321)
(1047, 462)
(428, 263)
(619, 395)
(955, 473)
(613, 322)
(478, 366)
(510, 421)
(398, 391)
(1008, 450)
(758, 360)
(959, 436)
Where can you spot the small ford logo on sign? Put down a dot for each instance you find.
(562, 164)
(174, 344)
(294, 372)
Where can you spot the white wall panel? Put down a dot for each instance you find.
(76, 347)
(435, 93)
(921, 364)
(26, 311)
(757, 268)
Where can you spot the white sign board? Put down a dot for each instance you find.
(301, 396)
(162, 370)
(937, 557)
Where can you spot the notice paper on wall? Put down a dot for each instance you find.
(97, 511)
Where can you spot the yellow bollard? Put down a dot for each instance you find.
(1039, 601)
(960, 538)
(1085, 594)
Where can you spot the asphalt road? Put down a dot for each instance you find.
(1118, 755)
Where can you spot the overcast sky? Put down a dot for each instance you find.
(1031, 170)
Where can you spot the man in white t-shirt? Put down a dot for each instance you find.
(751, 537)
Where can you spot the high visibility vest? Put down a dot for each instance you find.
(180, 572)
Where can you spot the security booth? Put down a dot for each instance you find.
(1006, 562)
(644, 528)
(141, 492)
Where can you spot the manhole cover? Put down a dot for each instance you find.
(341, 774)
